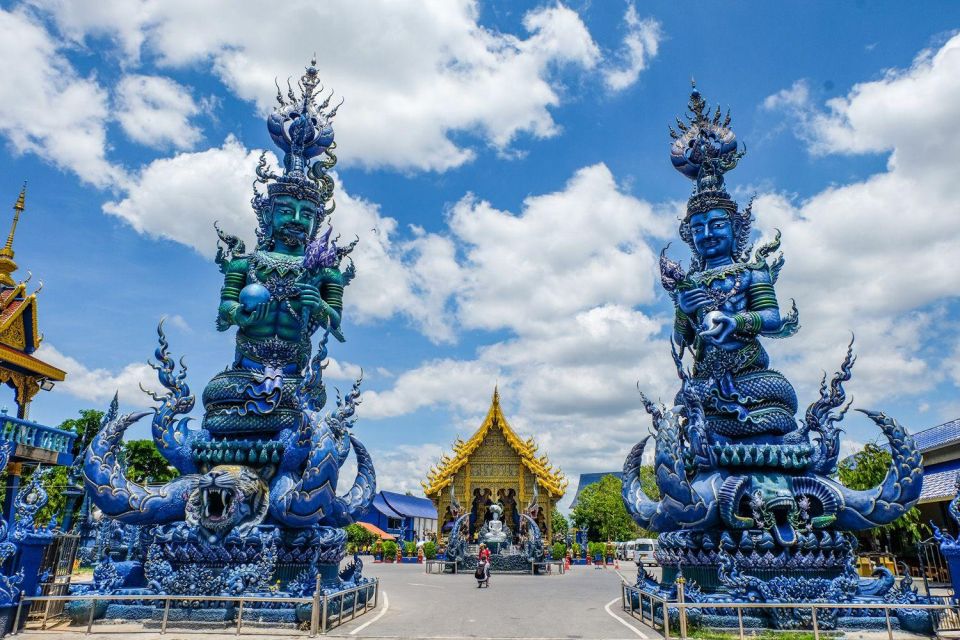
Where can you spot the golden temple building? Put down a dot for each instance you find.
(19, 331)
(495, 466)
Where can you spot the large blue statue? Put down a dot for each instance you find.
(748, 507)
(256, 500)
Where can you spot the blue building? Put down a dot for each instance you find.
(940, 446)
(408, 518)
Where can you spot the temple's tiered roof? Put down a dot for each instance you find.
(550, 479)
(19, 332)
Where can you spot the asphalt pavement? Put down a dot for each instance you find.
(583, 603)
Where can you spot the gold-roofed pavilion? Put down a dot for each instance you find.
(20, 334)
(495, 465)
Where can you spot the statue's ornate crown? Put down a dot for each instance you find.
(303, 130)
(704, 150)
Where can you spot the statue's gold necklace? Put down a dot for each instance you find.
(708, 277)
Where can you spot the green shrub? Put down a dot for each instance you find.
(558, 550)
(410, 549)
(359, 536)
(577, 550)
(389, 550)
(430, 550)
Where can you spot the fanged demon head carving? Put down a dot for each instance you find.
(228, 498)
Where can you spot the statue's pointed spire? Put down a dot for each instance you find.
(496, 393)
(7, 265)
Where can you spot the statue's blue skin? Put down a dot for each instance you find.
(293, 222)
(713, 239)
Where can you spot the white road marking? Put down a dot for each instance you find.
(429, 586)
(622, 621)
(386, 606)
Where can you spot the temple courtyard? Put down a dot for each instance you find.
(582, 604)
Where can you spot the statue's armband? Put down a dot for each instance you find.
(234, 280)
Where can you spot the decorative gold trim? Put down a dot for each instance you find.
(550, 479)
(34, 365)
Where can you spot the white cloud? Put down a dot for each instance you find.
(179, 198)
(795, 96)
(400, 468)
(872, 256)
(416, 75)
(640, 44)
(568, 251)
(452, 383)
(156, 111)
(46, 107)
(99, 385)
(337, 370)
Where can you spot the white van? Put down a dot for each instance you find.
(641, 551)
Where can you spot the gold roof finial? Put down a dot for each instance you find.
(7, 265)
(496, 393)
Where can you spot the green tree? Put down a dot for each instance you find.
(53, 483)
(559, 524)
(865, 470)
(359, 537)
(144, 461)
(85, 426)
(600, 510)
(648, 481)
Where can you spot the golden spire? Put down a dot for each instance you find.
(496, 393)
(7, 265)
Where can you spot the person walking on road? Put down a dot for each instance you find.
(483, 566)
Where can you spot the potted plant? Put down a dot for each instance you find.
(578, 554)
(596, 552)
(410, 551)
(558, 551)
(390, 551)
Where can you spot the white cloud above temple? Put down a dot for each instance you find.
(417, 75)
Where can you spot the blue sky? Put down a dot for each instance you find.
(506, 167)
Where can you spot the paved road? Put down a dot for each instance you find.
(420, 605)
(584, 603)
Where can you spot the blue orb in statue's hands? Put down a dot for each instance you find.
(252, 295)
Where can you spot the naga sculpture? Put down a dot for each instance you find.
(746, 487)
(259, 478)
